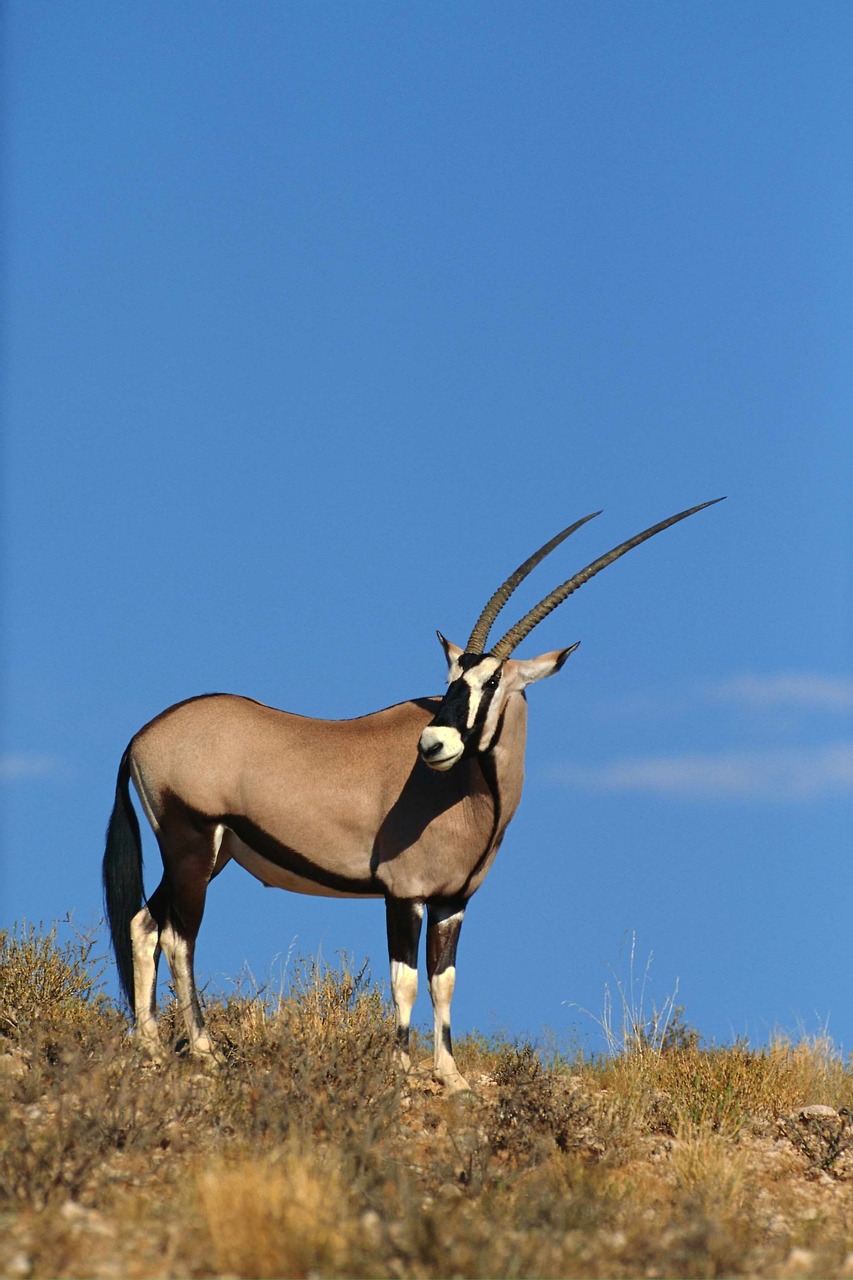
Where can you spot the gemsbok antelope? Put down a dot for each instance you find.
(409, 804)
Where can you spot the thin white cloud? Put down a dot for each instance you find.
(776, 774)
(23, 767)
(796, 689)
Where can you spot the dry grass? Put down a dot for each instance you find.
(290, 1212)
(303, 1153)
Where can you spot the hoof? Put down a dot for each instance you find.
(205, 1055)
(454, 1084)
(150, 1049)
(403, 1062)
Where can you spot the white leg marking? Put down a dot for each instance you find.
(404, 990)
(178, 955)
(445, 1069)
(146, 952)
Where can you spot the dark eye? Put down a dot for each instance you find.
(493, 681)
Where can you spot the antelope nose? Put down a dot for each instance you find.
(430, 743)
(429, 750)
(440, 747)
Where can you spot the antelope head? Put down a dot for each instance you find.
(480, 683)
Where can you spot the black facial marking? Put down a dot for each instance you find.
(453, 712)
(472, 743)
(455, 705)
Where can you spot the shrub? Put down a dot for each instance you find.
(48, 983)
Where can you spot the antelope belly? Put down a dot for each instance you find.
(274, 875)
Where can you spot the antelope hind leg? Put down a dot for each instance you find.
(145, 942)
(190, 858)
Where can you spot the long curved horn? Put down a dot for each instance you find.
(516, 634)
(477, 641)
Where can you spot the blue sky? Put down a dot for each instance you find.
(318, 320)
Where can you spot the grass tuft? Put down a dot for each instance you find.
(290, 1212)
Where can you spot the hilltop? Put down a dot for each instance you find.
(304, 1152)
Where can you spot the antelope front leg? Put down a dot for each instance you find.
(403, 919)
(444, 921)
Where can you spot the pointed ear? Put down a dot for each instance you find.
(548, 664)
(452, 652)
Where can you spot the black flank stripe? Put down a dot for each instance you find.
(297, 863)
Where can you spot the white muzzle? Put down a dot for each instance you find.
(440, 747)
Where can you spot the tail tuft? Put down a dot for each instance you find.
(122, 876)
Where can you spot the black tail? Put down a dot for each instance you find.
(122, 873)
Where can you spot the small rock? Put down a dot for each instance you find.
(18, 1267)
(80, 1218)
(818, 1112)
(71, 1211)
(372, 1224)
(799, 1262)
(14, 1065)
